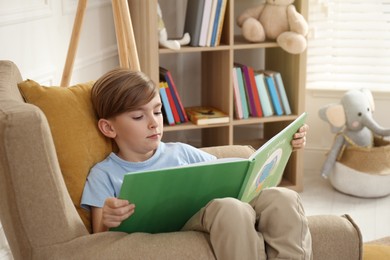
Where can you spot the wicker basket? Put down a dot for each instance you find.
(374, 160)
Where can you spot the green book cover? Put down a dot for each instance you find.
(165, 199)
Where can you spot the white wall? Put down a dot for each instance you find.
(35, 34)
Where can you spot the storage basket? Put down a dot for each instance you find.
(374, 160)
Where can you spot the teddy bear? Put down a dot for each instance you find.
(275, 20)
(163, 35)
(357, 163)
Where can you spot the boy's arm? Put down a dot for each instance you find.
(111, 215)
(97, 225)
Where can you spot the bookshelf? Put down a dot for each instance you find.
(214, 81)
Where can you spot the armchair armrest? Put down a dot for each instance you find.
(335, 237)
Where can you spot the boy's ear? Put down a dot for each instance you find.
(106, 128)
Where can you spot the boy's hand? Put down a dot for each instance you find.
(299, 138)
(115, 211)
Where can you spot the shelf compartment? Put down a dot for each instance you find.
(186, 49)
(241, 43)
(191, 126)
(257, 120)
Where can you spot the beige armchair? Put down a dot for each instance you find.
(40, 220)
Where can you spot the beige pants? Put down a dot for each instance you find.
(272, 226)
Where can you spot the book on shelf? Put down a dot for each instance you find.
(256, 95)
(205, 22)
(165, 75)
(168, 115)
(282, 91)
(193, 21)
(172, 105)
(215, 23)
(241, 86)
(220, 23)
(211, 23)
(265, 99)
(277, 105)
(173, 195)
(206, 115)
(252, 97)
(219, 16)
(238, 113)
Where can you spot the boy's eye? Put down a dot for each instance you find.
(158, 113)
(137, 117)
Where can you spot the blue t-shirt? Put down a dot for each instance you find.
(106, 177)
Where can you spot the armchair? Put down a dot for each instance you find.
(40, 220)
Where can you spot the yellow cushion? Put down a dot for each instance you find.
(73, 124)
(376, 252)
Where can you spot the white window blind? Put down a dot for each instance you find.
(349, 44)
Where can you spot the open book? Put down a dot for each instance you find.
(165, 199)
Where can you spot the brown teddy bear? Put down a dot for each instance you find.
(275, 20)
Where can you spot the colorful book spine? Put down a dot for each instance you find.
(274, 95)
(215, 25)
(237, 98)
(176, 98)
(263, 93)
(256, 96)
(248, 88)
(220, 23)
(166, 106)
(241, 85)
(172, 105)
(282, 92)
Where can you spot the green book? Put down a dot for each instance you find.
(165, 199)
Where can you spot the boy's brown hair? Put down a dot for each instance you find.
(121, 90)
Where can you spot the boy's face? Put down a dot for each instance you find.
(139, 132)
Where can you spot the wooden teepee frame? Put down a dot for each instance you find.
(127, 49)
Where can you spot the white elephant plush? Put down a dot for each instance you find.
(353, 123)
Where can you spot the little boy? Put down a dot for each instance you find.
(128, 106)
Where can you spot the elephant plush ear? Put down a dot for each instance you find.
(333, 114)
(370, 98)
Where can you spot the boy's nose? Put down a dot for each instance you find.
(153, 123)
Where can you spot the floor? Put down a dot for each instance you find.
(371, 215)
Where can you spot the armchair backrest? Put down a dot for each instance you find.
(36, 209)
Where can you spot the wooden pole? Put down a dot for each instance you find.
(127, 48)
(67, 72)
(120, 34)
(129, 36)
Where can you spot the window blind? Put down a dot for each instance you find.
(349, 44)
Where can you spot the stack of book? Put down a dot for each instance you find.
(206, 115)
(204, 21)
(258, 93)
(173, 109)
